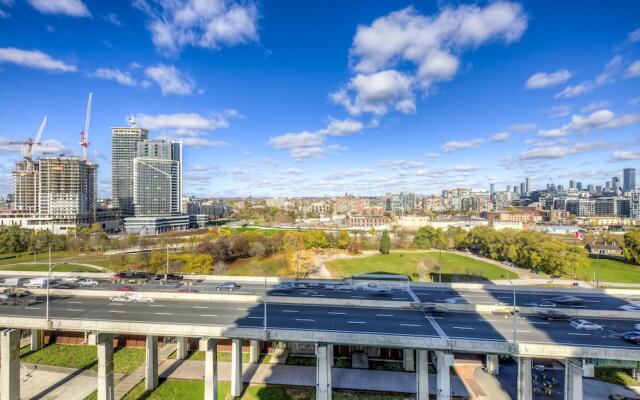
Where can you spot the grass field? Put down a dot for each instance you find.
(265, 265)
(608, 270)
(125, 360)
(40, 261)
(172, 389)
(45, 268)
(454, 267)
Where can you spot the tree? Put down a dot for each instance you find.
(198, 264)
(344, 239)
(257, 249)
(631, 246)
(385, 243)
(293, 245)
(425, 267)
(429, 237)
(219, 268)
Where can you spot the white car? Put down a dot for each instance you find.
(586, 325)
(455, 300)
(88, 283)
(132, 298)
(543, 303)
(70, 279)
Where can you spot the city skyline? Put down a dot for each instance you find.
(459, 95)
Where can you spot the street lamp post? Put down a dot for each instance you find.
(515, 311)
(51, 267)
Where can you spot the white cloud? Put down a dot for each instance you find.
(522, 128)
(602, 119)
(594, 106)
(626, 155)
(633, 70)
(634, 36)
(295, 171)
(376, 93)
(344, 127)
(296, 140)
(206, 24)
(461, 144)
(72, 8)
(634, 101)
(401, 164)
(171, 80)
(607, 76)
(185, 124)
(432, 44)
(114, 74)
(307, 152)
(554, 152)
(576, 90)
(196, 142)
(500, 137)
(559, 111)
(34, 59)
(349, 173)
(543, 80)
(113, 18)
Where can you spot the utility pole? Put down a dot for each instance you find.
(166, 275)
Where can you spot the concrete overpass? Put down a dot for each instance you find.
(323, 322)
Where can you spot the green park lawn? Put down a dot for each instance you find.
(172, 389)
(607, 270)
(125, 360)
(45, 267)
(265, 266)
(454, 267)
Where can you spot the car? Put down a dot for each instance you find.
(434, 310)
(555, 276)
(566, 299)
(543, 303)
(636, 327)
(552, 315)
(131, 298)
(622, 397)
(70, 279)
(230, 286)
(631, 337)
(455, 300)
(282, 288)
(188, 290)
(380, 291)
(18, 292)
(504, 311)
(5, 297)
(125, 289)
(168, 277)
(584, 324)
(630, 307)
(62, 285)
(88, 283)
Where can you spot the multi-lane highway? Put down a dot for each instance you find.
(394, 321)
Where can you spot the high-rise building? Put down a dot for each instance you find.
(615, 183)
(157, 178)
(579, 186)
(572, 184)
(526, 185)
(523, 188)
(492, 188)
(629, 179)
(124, 143)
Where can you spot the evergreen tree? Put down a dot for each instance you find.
(385, 243)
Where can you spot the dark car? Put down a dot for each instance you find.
(169, 277)
(570, 300)
(551, 315)
(434, 310)
(62, 286)
(631, 337)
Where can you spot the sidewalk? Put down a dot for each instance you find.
(290, 375)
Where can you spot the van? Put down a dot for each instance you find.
(11, 282)
(39, 283)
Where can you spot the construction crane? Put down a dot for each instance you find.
(27, 145)
(84, 134)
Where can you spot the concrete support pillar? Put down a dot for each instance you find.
(323, 372)
(525, 391)
(182, 348)
(408, 356)
(104, 345)
(493, 364)
(151, 370)
(572, 381)
(254, 351)
(37, 339)
(422, 375)
(589, 369)
(444, 361)
(236, 368)
(10, 364)
(210, 347)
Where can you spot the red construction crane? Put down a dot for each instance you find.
(27, 145)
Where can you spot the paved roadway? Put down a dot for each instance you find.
(463, 325)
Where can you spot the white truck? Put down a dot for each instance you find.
(39, 283)
(11, 282)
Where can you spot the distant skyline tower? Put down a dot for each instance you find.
(124, 141)
(629, 179)
(492, 188)
(527, 181)
(615, 183)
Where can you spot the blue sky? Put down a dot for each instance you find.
(322, 98)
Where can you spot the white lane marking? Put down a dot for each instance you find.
(578, 306)
(156, 305)
(200, 307)
(463, 327)
(255, 317)
(486, 320)
(117, 311)
(579, 334)
(384, 315)
(504, 297)
(357, 297)
(74, 302)
(73, 309)
(242, 309)
(32, 308)
(356, 322)
(540, 323)
(290, 311)
(305, 320)
(592, 301)
(115, 304)
(413, 325)
(523, 331)
(337, 313)
(208, 315)
(163, 313)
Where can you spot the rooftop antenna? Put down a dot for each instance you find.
(84, 135)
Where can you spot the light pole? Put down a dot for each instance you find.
(51, 267)
(515, 311)
(266, 273)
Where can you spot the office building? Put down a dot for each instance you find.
(579, 186)
(615, 184)
(572, 184)
(629, 179)
(157, 178)
(124, 142)
(527, 182)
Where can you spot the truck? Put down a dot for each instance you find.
(12, 281)
(39, 282)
